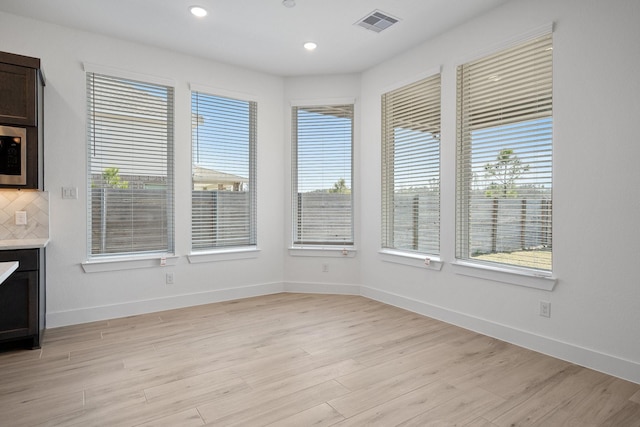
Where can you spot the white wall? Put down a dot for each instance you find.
(596, 243)
(596, 302)
(74, 296)
(303, 270)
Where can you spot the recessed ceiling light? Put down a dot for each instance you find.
(198, 11)
(288, 3)
(310, 45)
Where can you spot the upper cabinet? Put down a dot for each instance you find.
(21, 122)
(18, 89)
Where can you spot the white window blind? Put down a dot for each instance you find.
(322, 193)
(224, 172)
(130, 166)
(411, 167)
(504, 157)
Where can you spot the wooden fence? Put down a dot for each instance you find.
(507, 225)
(129, 221)
(220, 218)
(324, 218)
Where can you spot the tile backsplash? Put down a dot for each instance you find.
(35, 203)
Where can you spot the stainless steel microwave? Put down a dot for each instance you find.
(13, 155)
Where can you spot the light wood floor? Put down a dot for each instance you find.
(299, 360)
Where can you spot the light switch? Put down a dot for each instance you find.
(21, 217)
(69, 192)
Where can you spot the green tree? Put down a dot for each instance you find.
(111, 178)
(504, 173)
(340, 187)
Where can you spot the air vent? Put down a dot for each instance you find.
(376, 21)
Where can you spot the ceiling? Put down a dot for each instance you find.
(263, 35)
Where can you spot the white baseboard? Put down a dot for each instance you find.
(104, 312)
(589, 358)
(321, 288)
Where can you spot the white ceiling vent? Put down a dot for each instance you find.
(376, 21)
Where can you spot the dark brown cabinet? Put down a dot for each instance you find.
(22, 304)
(18, 89)
(21, 105)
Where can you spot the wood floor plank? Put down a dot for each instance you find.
(440, 359)
(628, 416)
(517, 385)
(305, 377)
(548, 396)
(197, 389)
(53, 377)
(299, 360)
(188, 418)
(600, 396)
(461, 410)
(493, 363)
(393, 412)
(322, 415)
(31, 412)
(381, 391)
(268, 408)
(481, 422)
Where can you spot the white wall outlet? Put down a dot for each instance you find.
(69, 192)
(21, 217)
(545, 309)
(169, 278)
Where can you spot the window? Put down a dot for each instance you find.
(504, 157)
(411, 167)
(223, 210)
(130, 166)
(322, 192)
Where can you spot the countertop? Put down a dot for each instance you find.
(6, 268)
(23, 244)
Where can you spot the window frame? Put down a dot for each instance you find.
(245, 250)
(310, 247)
(465, 265)
(404, 99)
(132, 259)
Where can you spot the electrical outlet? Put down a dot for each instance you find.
(545, 309)
(169, 278)
(325, 268)
(21, 217)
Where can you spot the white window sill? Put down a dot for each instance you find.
(117, 263)
(411, 259)
(514, 276)
(215, 255)
(323, 251)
